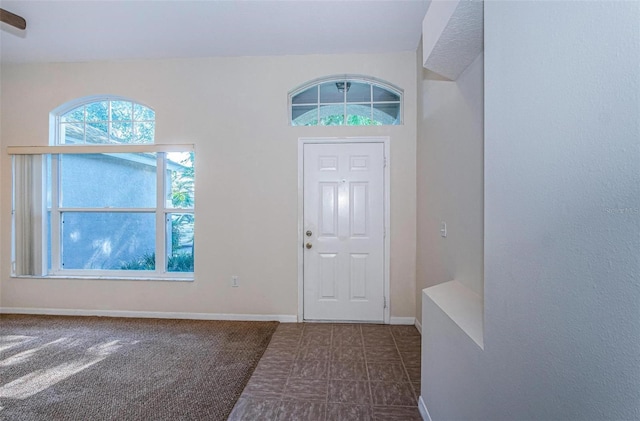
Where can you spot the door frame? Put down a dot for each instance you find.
(385, 140)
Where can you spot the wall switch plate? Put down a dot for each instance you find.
(443, 229)
(234, 281)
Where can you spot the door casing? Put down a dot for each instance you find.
(300, 244)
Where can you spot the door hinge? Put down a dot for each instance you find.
(385, 302)
(385, 162)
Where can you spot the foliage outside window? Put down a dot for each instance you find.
(109, 121)
(350, 101)
(116, 212)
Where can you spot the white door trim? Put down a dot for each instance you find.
(387, 219)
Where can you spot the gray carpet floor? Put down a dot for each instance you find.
(91, 368)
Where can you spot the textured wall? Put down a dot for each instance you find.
(458, 43)
(562, 223)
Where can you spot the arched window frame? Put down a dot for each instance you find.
(56, 115)
(323, 109)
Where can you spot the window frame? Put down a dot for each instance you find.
(161, 211)
(53, 242)
(56, 114)
(372, 82)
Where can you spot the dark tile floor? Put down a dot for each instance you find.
(335, 372)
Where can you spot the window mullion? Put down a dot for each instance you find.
(371, 102)
(344, 100)
(109, 119)
(56, 216)
(161, 213)
(318, 107)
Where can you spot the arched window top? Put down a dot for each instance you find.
(350, 100)
(102, 121)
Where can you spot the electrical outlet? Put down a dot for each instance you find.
(234, 281)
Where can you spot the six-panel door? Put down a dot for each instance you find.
(344, 231)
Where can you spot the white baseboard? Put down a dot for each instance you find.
(419, 326)
(422, 407)
(283, 318)
(402, 320)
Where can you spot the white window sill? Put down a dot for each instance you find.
(462, 305)
(105, 278)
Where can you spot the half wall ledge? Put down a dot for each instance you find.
(461, 305)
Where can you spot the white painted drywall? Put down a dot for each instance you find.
(235, 111)
(450, 185)
(562, 224)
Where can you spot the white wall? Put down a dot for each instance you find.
(562, 224)
(449, 178)
(235, 111)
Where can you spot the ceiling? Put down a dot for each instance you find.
(63, 31)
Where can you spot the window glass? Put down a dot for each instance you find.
(143, 132)
(71, 133)
(381, 94)
(329, 93)
(121, 132)
(331, 115)
(108, 240)
(97, 111)
(107, 121)
(352, 101)
(310, 96)
(386, 113)
(96, 132)
(77, 114)
(304, 115)
(180, 228)
(360, 115)
(122, 180)
(359, 92)
(121, 110)
(142, 113)
(108, 208)
(180, 181)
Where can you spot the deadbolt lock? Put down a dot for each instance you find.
(309, 233)
(308, 245)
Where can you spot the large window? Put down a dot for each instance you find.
(350, 101)
(103, 200)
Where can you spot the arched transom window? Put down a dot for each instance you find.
(105, 121)
(346, 100)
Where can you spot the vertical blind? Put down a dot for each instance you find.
(28, 213)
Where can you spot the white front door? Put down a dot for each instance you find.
(344, 231)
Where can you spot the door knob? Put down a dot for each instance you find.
(308, 245)
(309, 233)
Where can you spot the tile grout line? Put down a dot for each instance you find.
(329, 362)
(366, 369)
(404, 367)
(286, 383)
(333, 357)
